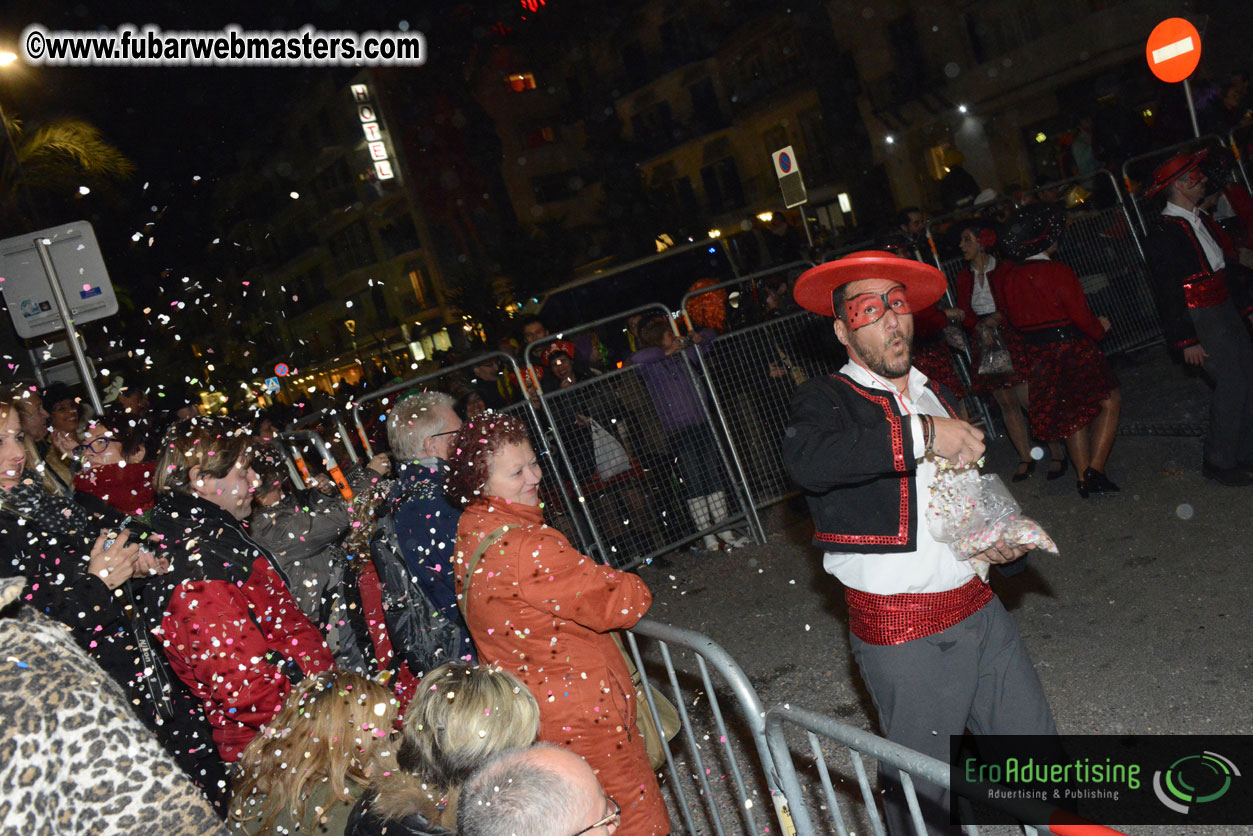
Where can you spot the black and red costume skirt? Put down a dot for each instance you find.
(1067, 380)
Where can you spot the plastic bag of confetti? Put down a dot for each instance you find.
(971, 512)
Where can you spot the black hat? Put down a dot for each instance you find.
(1032, 229)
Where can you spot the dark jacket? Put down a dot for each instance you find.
(848, 447)
(230, 627)
(426, 529)
(1175, 257)
(302, 531)
(399, 792)
(421, 632)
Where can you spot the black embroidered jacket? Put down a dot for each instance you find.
(850, 449)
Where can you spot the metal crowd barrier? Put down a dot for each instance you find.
(753, 370)
(1101, 245)
(648, 480)
(707, 747)
(1237, 141)
(1034, 815)
(561, 509)
(294, 444)
(733, 762)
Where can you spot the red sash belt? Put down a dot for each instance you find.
(896, 619)
(1205, 290)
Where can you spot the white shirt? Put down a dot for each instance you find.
(932, 567)
(1213, 252)
(981, 300)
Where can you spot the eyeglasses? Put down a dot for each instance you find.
(96, 446)
(613, 818)
(445, 432)
(868, 308)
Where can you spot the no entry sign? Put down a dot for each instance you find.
(1173, 50)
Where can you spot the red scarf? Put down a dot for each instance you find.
(128, 488)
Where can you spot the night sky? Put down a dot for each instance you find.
(177, 123)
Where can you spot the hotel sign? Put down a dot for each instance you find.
(375, 144)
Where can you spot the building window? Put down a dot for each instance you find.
(520, 82)
(350, 248)
(539, 137)
(554, 187)
(399, 235)
(774, 139)
(705, 105)
(422, 295)
(723, 189)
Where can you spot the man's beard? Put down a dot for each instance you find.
(880, 365)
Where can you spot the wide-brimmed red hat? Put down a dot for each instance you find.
(552, 349)
(924, 284)
(1174, 168)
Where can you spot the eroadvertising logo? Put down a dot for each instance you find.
(1105, 779)
(1194, 779)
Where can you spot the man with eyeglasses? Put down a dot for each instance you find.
(936, 649)
(420, 430)
(542, 790)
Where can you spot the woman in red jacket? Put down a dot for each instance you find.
(546, 613)
(979, 311)
(1073, 394)
(227, 620)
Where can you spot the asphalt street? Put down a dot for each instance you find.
(1139, 626)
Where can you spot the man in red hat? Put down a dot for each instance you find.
(1202, 294)
(937, 651)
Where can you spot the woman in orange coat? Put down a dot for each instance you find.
(546, 613)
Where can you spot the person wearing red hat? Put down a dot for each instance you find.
(928, 634)
(1201, 294)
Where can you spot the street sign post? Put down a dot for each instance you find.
(788, 170)
(53, 278)
(1173, 52)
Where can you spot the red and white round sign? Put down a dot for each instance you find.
(1173, 50)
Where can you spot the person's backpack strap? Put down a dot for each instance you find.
(487, 543)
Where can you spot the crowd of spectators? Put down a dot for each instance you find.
(272, 667)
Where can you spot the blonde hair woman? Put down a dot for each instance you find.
(461, 716)
(311, 763)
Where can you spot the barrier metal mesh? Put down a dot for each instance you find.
(753, 373)
(1099, 247)
(641, 447)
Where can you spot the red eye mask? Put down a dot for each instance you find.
(868, 308)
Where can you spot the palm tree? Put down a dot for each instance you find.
(53, 159)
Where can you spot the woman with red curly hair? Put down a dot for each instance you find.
(546, 613)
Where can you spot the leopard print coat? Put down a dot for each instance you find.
(74, 759)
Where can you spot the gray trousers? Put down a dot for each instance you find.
(975, 675)
(1225, 339)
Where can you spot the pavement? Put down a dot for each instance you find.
(1139, 626)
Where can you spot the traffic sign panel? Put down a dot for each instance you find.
(281, 370)
(1173, 49)
(785, 162)
(78, 262)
